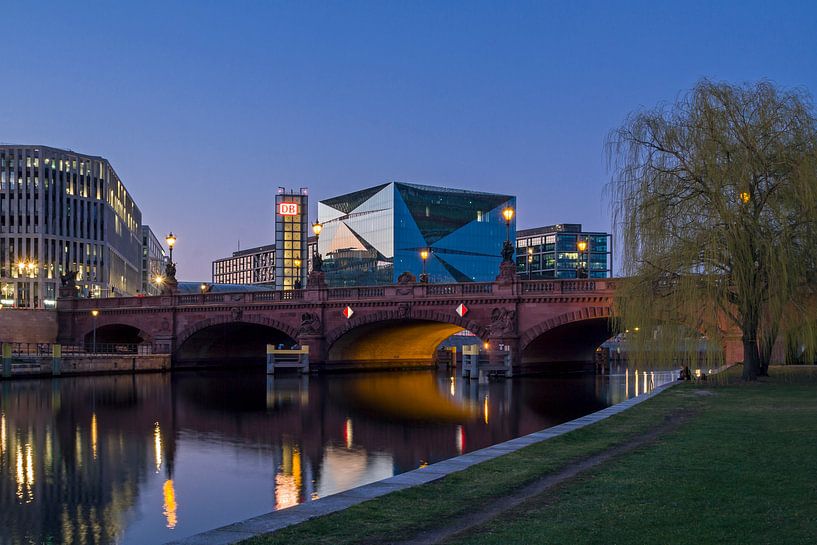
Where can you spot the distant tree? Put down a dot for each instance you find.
(714, 199)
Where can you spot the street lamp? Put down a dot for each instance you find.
(317, 262)
(507, 248)
(171, 241)
(94, 314)
(424, 257)
(203, 287)
(580, 268)
(530, 262)
(297, 283)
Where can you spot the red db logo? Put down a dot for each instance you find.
(288, 208)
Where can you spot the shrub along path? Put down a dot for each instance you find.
(719, 462)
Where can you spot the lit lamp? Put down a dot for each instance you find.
(171, 241)
(317, 262)
(580, 268)
(745, 197)
(530, 262)
(21, 267)
(297, 283)
(424, 257)
(94, 314)
(203, 287)
(507, 248)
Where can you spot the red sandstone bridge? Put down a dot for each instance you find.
(541, 321)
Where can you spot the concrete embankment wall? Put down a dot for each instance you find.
(28, 326)
(85, 365)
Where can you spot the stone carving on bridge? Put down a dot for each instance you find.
(403, 310)
(503, 322)
(405, 281)
(164, 327)
(69, 279)
(310, 324)
(236, 314)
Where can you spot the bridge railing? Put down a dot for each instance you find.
(417, 290)
(46, 349)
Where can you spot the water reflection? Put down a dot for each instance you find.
(152, 458)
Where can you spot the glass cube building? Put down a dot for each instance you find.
(374, 235)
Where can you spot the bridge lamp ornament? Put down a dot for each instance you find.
(507, 248)
(94, 315)
(317, 262)
(530, 262)
(171, 241)
(424, 257)
(582, 247)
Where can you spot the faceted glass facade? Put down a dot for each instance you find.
(374, 235)
(552, 252)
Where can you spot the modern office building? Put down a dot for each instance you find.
(153, 261)
(63, 212)
(291, 232)
(563, 251)
(253, 265)
(374, 235)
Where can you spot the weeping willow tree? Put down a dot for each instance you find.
(714, 200)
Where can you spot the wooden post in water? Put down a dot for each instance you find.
(56, 359)
(6, 360)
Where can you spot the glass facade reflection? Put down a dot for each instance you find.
(374, 235)
(553, 252)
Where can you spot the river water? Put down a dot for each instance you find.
(151, 458)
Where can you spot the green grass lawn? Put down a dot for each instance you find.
(742, 468)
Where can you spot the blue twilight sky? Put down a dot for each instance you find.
(205, 108)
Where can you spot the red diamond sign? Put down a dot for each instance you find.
(462, 310)
(347, 311)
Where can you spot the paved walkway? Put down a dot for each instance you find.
(331, 504)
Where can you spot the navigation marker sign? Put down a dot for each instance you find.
(462, 310)
(347, 311)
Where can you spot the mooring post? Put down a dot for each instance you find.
(270, 359)
(6, 360)
(56, 359)
(305, 360)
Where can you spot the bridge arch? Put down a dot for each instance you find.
(235, 339)
(569, 337)
(401, 336)
(116, 332)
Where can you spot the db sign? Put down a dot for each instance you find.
(288, 208)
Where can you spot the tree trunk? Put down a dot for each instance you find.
(765, 356)
(750, 359)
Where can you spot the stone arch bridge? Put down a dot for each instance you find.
(541, 321)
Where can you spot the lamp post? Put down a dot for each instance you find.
(581, 272)
(507, 248)
(94, 314)
(530, 262)
(171, 241)
(297, 284)
(424, 257)
(317, 262)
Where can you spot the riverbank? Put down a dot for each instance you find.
(727, 462)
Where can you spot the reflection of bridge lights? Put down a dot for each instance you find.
(459, 439)
(3, 432)
(157, 446)
(20, 475)
(626, 384)
(348, 433)
(453, 387)
(93, 435)
(288, 478)
(169, 507)
(635, 373)
(485, 409)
